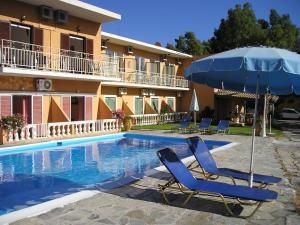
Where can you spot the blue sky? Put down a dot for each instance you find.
(164, 20)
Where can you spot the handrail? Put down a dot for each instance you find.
(36, 57)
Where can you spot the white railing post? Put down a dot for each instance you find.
(22, 133)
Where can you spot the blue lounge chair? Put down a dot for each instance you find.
(188, 184)
(184, 124)
(223, 127)
(203, 126)
(211, 171)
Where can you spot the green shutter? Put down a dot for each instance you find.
(170, 102)
(111, 103)
(139, 106)
(154, 104)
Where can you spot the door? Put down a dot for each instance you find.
(21, 37)
(77, 108)
(169, 74)
(22, 105)
(77, 61)
(155, 72)
(140, 69)
(139, 105)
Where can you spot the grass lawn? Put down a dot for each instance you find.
(246, 130)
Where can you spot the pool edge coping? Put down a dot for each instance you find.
(47, 206)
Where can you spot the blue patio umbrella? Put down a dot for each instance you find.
(257, 70)
(194, 107)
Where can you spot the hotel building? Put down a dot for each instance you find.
(66, 76)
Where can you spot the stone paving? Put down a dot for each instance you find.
(141, 203)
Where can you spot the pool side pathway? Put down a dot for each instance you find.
(141, 203)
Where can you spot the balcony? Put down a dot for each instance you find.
(23, 59)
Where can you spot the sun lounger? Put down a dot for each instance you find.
(184, 124)
(203, 126)
(188, 184)
(210, 170)
(223, 127)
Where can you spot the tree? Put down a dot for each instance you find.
(239, 29)
(190, 44)
(297, 48)
(282, 33)
(181, 44)
(171, 46)
(193, 45)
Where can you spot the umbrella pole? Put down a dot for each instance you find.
(253, 134)
(265, 117)
(195, 117)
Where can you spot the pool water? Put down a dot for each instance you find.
(34, 176)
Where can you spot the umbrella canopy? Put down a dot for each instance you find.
(278, 70)
(250, 69)
(194, 107)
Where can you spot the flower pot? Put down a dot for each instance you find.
(127, 123)
(3, 136)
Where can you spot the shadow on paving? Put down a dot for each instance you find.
(146, 193)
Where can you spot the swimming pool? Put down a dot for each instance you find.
(33, 174)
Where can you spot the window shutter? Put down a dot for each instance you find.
(88, 108)
(89, 47)
(4, 30)
(66, 105)
(5, 106)
(38, 36)
(37, 112)
(64, 41)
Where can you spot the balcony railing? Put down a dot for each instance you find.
(28, 56)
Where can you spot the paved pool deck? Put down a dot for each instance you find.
(141, 203)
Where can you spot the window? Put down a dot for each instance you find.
(140, 63)
(170, 70)
(111, 102)
(20, 33)
(139, 105)
(155, 104)
(155, 66)
(171, 103)
(115, 62)
(76, 44)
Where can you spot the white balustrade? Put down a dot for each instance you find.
(62, 129)
(149, 119)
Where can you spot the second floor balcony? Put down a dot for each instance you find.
(23, 59)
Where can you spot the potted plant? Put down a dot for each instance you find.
(8, 124)
(119, 115)
(127, 123)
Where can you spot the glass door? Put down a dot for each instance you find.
(140, 69)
